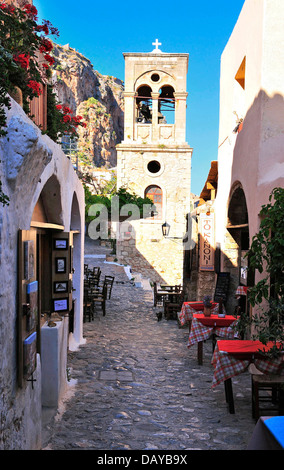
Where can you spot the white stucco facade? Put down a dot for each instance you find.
(253, 158)
(32, 166)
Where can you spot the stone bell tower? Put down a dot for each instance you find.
(154, 161)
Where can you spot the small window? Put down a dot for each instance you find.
(156, 195)
(155, 77)
(154, 166)
(241, 74)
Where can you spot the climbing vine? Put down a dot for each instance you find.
(266, 255)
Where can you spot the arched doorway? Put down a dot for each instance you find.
(45, 278)
(237, 243)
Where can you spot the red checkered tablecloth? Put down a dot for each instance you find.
(189, 308)
(241, 290)
(227, 365)
(200, 332)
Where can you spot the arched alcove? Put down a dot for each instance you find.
(48, 208)
(237, 244)
(237, 210)
(75, 222)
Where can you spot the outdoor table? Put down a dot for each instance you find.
(203, 327)
(189, 308)
(232, 357)
(268, 434)
(241, 290)
(167, 288)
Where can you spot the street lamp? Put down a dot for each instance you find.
(166, 229)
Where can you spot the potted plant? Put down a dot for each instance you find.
(207, 306)
(266, 256)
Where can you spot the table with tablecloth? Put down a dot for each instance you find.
(241, 290)
(233, 357)
(203, 327)
(189, 308)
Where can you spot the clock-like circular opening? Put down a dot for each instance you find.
(155, 77)
(154, 166)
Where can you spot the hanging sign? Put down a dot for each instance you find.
(206, 252)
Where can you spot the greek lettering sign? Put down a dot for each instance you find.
(206, 253)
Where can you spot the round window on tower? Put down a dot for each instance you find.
(154, 166)
(155, 77)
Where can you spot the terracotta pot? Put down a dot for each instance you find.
(207, 311)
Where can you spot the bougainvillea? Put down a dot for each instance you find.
(60, 119)
(21, 38)
(21, 65)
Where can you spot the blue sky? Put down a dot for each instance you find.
(104, 30)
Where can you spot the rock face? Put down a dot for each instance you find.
(97, 98)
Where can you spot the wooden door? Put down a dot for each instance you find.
(28, 311)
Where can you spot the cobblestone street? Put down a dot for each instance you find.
(136, 386)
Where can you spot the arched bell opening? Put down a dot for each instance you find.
(166, 108)
(143, 106)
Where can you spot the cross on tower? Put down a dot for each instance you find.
(157, 44)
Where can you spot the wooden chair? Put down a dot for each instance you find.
(174, 305)
(109, 280)
(158, 297)
(266, 388)
(88, 310)
(100, 299)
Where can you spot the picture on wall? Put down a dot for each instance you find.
(60, 286)
(32, 311)
(60, 305)
(29, 259)
(60, 244)
(30, 353)
(60, 265)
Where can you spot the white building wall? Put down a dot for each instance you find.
(27, 160)
(254, 157)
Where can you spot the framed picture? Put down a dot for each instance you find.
(29, 259)
(30, 353)
(60, 243)
(60, 286)
(60, 265)
(60, 305)
(32, 310)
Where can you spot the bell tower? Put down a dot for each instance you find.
(154, 161)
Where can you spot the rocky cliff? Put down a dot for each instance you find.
(97, 98)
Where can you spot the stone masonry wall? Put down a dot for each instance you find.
(147, 251)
